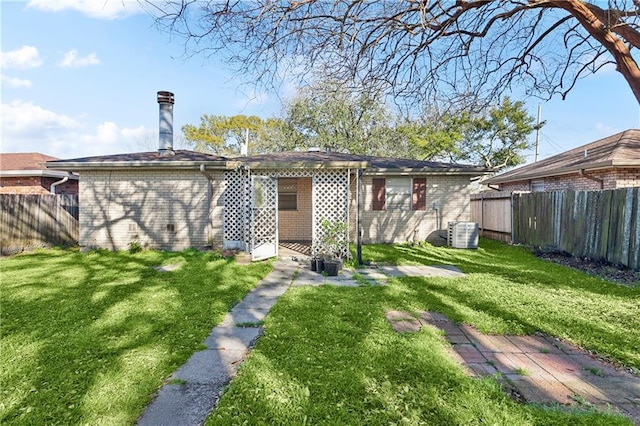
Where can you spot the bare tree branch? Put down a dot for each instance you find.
(417, 51)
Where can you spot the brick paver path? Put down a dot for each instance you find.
(540, 368)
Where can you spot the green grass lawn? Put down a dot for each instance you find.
(328, 355)
(89, 338)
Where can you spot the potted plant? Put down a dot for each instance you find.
(334, 239)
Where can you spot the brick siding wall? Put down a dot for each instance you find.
(627, 178)
(452, 193)
(297, 225)
(36, 185)
(22, 185)
(118, 207)
(70, 187)
(611, 179)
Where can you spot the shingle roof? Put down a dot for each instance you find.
(311, 158)
(291, 159)
(619, 150)
(180, 155)
(139, 159)
(24, 161)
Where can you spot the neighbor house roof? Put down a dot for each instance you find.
(28, 164)
(319, 159)
(152, 159)
(621, 150)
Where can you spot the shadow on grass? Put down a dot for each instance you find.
(89, 338)
(510, 290)
(329, 356)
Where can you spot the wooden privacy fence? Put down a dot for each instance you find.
(37, 220)
(492, 212)
(594, 224)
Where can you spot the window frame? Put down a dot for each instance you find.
(415, 194)
(537, 185)
(282, 182)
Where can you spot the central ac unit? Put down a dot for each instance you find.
(463, 235)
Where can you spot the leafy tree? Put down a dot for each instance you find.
(498, 137)
(434, 138)
(223, 135)
(495, 137)
(420, 49)
(331, 116)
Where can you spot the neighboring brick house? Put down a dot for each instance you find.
(609, 163)
(192, 199)
(24, 173)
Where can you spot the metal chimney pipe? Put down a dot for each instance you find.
(165, 143)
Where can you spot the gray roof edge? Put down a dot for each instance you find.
(267, 165)
(475, 171)
(609, 164)
(79, 165)
(42, 173)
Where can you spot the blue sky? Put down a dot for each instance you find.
(79, 78)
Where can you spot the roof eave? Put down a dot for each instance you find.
(118, 165)
(299, 164)
(608, 164)
(426, 171)
(37, 173)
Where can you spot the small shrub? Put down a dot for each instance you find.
(134, 247)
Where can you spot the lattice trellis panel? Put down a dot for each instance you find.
(330, 195)
(236, 209)
(285, 173)
(264, 219)
(330, 202)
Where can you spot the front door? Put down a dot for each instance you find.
(264, 217)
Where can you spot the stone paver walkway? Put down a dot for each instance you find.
(194, 389)
(539, 369)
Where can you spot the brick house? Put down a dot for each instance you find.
(24, 173)
(191, 199)
(179, 199)
(609, 163)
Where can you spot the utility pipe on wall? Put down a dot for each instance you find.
(60, 182)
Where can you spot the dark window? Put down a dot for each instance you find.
(287, 194)
(537, 186)
(419, 199)
(379, 195)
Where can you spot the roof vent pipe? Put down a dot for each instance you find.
(165, 145)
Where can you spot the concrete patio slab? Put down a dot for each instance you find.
(448, 271)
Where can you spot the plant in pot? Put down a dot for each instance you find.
(334, 239)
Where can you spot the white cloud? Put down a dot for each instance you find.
(14, 82)
(27, 127)
(22, 58)
(21, 119)
(71, 60)
(102, 9)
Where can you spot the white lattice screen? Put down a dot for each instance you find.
(236, 209)
(264, 220)
(330, 201)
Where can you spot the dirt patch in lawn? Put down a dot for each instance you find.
(600, 268)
